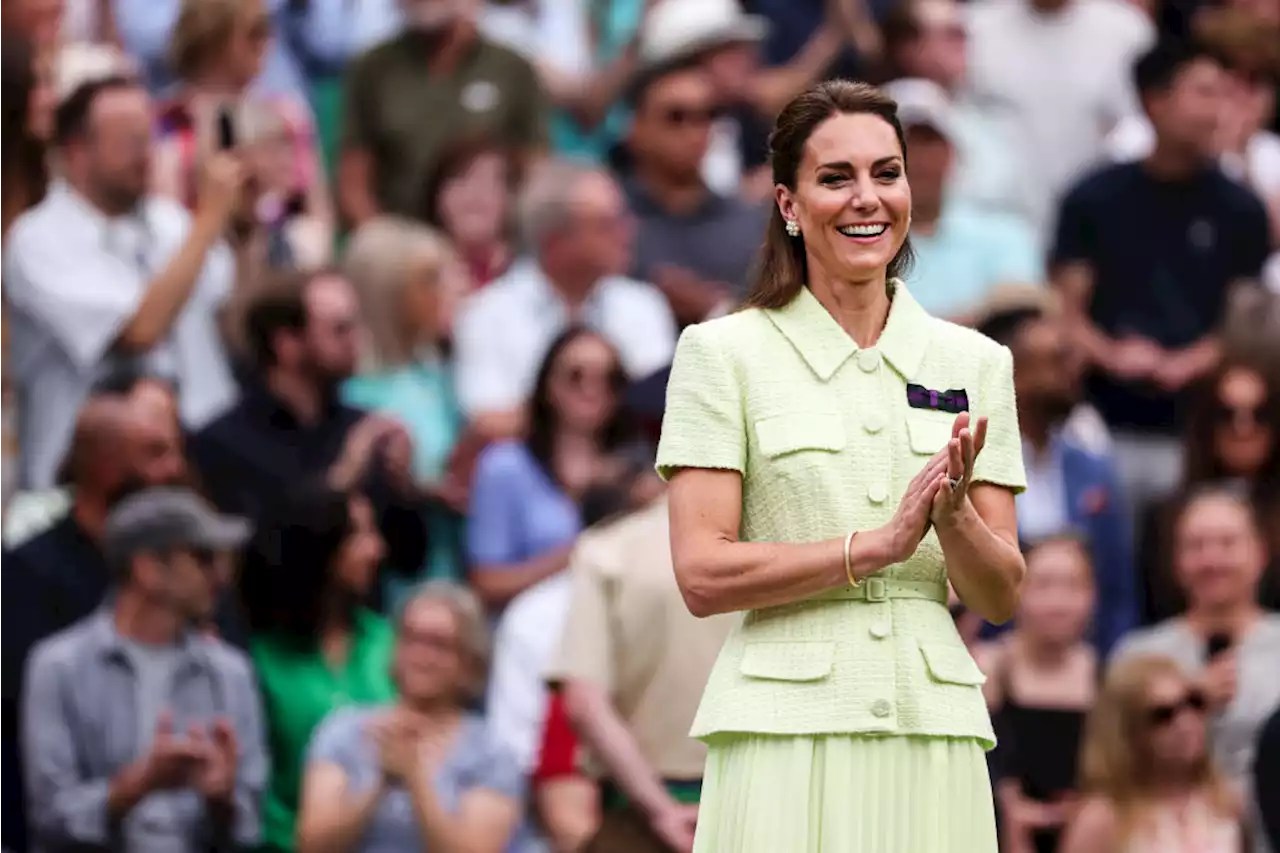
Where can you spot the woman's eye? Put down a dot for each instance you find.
(831, 180)
(890, 174)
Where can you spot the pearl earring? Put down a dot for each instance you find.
(793, 228)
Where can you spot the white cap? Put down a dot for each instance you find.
(675, 30)
(923, 103)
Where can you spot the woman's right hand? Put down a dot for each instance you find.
(911, 521)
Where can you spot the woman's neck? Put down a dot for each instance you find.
(569, 440)
(438, 711)
(1042, 653)
(1233, 619)
(214, 85)
(860, 307)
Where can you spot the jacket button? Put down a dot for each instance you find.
(868, 360)
(874, 422)
(881, 707)
(879, 630)
(877, 493)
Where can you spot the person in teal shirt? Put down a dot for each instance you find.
(314, 647)
(408, 279)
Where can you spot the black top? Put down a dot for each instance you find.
(1266, 779)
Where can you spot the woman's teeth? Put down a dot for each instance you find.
(862, 230)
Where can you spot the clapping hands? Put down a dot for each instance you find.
(962, 452)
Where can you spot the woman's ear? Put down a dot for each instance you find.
(786, 202)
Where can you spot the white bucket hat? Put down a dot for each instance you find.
(676, 30)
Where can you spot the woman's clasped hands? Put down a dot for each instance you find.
(940, 490)
(406, 749)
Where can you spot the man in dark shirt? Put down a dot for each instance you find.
(1145, 256)
(290, 427)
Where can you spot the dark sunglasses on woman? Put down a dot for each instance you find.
(1162, 715)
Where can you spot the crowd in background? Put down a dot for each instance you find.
(336, 338)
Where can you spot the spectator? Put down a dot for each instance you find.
(1144, 258)
(315, 648)
(963, 252)
(1150, 780)
(1228, 643)
(1062, 67)
(1070, 487)
(100, 273)
(928, 40)
(575, 220)
(632, 691)
(409, 96)
(1233, 439)
(141, 733)
(217, 49)
(524, 514)
(1041, 680)
(291, 428)
(468, 197)
(695, 244)
(146, 30)
(27, 129)
(405, 274)
(422, 773)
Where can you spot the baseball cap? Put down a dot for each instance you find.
(923, 103)
(166, 518)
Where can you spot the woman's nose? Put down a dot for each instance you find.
(864, 195)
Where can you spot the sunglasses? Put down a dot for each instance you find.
(1225, 415)
(1159, 716)
(580, 377)
(681, 116)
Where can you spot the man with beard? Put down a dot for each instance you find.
(1071, 487)
(407, 98)
(289, 428)
(101, 274)
(61, 575)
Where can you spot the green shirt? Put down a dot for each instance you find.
(299, 689)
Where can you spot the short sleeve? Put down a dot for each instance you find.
(498, 487)
(1252, 232)
(703, 425)
(1000, 462)
(1075, 236)
(336, 740)
(586, 647)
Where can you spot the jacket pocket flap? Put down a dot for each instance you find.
(788, 661)
(951, 664)
(790, 433)
(929, 431)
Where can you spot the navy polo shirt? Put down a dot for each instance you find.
(1163, 255)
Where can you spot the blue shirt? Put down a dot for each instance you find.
(474, 762)
(517, 511)
(420, 396)
(970, 252)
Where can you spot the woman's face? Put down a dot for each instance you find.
(362, 551)
(851, 197)
(584, 384)
(1172, 715)
(474, 204)
(1057, 594)
(1218, 554)
(249, 41)
(1242, 437)
(430, 662)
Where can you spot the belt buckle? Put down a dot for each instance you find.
(877, 590)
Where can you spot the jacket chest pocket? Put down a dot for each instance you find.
(802, 435)
(928, 432)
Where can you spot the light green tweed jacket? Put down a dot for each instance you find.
(826, 443)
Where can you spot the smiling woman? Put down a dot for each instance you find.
(823, 447)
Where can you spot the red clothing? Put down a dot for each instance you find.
(558, 755)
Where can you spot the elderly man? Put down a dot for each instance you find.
(575, 219)
(141, 732)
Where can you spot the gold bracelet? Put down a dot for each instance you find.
(848, 563)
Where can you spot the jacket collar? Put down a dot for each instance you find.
(825, 346)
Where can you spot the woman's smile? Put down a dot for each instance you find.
(864, 232)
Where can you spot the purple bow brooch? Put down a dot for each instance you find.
(954, 401)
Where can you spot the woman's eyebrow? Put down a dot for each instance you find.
(846, 166)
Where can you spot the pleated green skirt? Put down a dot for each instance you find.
(845, 794)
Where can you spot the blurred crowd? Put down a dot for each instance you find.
(336, 338)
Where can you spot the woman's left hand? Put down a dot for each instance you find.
(398, 739)
(963, 450)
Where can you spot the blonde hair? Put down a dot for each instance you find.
(202, 28)
(1114, 761)
(473, 627)
(380, 258)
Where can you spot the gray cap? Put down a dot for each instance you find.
(167, 518)
(923, 103)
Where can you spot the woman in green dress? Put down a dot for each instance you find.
(836, 456)
(313, 646)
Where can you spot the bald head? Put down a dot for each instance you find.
(122, 443)
(95, 446)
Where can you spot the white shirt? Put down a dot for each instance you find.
(527, 638)
(74, 278)
(504, 330)
(1042, 508)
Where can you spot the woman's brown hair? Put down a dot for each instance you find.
(203, 28)
(783, 270)
(24, 174)
(1202, 463)
(455, 159)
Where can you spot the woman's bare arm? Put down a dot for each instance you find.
(1092, 830)
(331, 819)
(984, 562)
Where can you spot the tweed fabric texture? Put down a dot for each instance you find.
(845, 794)
(826, 442)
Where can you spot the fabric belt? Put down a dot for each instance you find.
(874, 589)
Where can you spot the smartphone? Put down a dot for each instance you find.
(1216, 645)
(226, 130)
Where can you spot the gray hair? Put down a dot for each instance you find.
(545, 206)
(473, 625)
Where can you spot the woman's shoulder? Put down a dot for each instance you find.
(506, 457)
